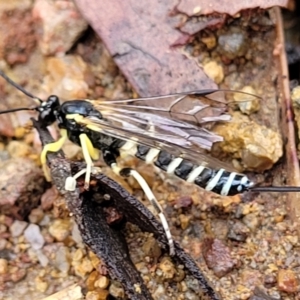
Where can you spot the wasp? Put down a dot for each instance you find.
(169, 131)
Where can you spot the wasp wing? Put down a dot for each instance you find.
(195, 107)
(177, 146)
(175, 123)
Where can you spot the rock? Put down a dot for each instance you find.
(217, 257)
(43, 259)
(84, 267)
(60, 229)
(3, 266)
(97, 295)
(238, 232)
(116, 290)
(250, 278)
(76, 235)
(18, 275)
(102, 282)
(34, 237)
(66, 77)
(61, 260)
(36, 215)
(209, 41)
(90, 282)
(61, 25)
(167, 268)
(214, 71)
(21, 186)
(248, 104)
(40, 284)
(17, 228)
(184, 201)
(251, 221)
(184, 221)
(19, 149)
(259, 294)
(287, 281)
(233, 43)
(151, 248)
(257, 147)
(16, 42)
(48, 198)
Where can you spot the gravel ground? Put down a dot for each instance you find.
(246, 249)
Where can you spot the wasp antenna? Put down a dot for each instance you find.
(282, 189)
(17, 86)
(16, 109)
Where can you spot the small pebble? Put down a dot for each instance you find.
(97, 295)
(61, 260)
(78, 255)
(43, 259)
(3, 244)
(251, 221)
(116, 290)
(184, 221)
(270, 280)
(214, 71)
(60, 229)
(76, 236)
(17, 228)
(238, 232)
(151, 248)
(18, 149)
(248, 104)
(84, 267)
(90, 282)
(36, 215)
(160, 292)
(217, 257)
(40, 284)
(209, 41)
(184, 201)
(3, 228)
(287, 281)
(45, 221)
(94, 260)
(191, 296)
(34, 237)
(167, 268)
(18, 275)
(3, 266)
(48, 198)
(102, 282)
(233, 43)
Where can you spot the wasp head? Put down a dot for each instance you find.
(48, 110)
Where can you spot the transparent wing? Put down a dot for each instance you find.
(177, 123)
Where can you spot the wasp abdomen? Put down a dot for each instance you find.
(218, 181)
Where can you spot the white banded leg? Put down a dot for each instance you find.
(89, 153)
(70, 184)
(149, 194)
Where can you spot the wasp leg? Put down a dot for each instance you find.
(52, 147)
(149, 194)
(70, 184)
(89, 153)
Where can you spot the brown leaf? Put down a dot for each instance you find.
(195, 7)
(141, 36)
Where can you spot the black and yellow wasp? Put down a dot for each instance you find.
(169, 131)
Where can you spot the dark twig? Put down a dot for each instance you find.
(105, 241)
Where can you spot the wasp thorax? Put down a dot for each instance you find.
(80, 107)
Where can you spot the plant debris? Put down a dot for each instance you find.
(106, 241)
